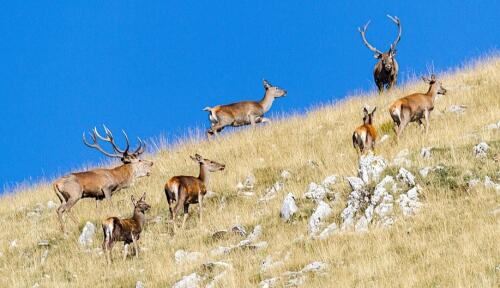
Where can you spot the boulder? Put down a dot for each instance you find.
(356, 183)
(406, 176)
(409, 202)
(481, 149)
(51, 205)
(322, 211)
(425, 152)
(370, 167)
(285, 174)
(189, 281)
(289, 208)
(87, 236)
(457, 109)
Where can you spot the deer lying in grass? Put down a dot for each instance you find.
(364, 136)
(414, 107)
(386, 70)
(101, 183)
(185, 190)
(125, 230)
(243, 113)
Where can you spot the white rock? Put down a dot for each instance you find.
(370, 167)
(409, 202)
(247, 194)
(424, 171)
(182, 256)
(87, 235)
(315, 267)
(189, 281)
(322, 211)
(493, 126)
(268, 283)
(481, 149)
(285, 174)
(425, 152)
(353, 205)
(269, 264)
(400, 158)
(249, 182)
(458, 109)
(289, 208)
(384, 138)
(356, 183)
(316, 192)
(256, 233)
(36, 285)
(209, 195)
(272, 192)
(51, 205)
(490, 184)
(473, 182)
(219, 251)
(328, 231)
(329, 181)
(139, 284)
(406, 176)
(13, 244)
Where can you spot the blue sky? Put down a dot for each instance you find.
(151, 66)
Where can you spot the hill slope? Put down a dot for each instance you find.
(452, 241)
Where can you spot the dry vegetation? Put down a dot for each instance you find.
(452, 242)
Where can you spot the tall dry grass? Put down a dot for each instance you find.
(452, 242)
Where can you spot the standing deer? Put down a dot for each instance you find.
(364, 136)
(185, 190)
(101, 183)
(385, 72)
(125, 230)
(243, 113)
(414, 107)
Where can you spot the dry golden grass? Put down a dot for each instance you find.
(452, 242)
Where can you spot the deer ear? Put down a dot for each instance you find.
(365, 110)
(266, 84)
(133, 199)
(426, 80)
(433, 77)
(143, 198)
(374, 109)
(377, 55)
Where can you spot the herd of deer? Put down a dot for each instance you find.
(181, 191)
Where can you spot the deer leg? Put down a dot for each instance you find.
(107, 196)
(186, 210)
(380, 86)
(176, 210)
(125, 251)
(426, 115)
(136, 246)
(66, 207)
(109, 249)
(200, 205)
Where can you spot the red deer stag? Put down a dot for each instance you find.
(243, 113)
(125, 230)
(185, 190)
(385, 72)
(414, 107)
(101, 183)
(364, 136)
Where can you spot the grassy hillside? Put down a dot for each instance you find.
(452, 242)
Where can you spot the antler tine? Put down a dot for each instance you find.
(110, 138)
(128, 142)
(363, 31)
(94, 131)
(139, 149)
(396, 20)
(95, 145)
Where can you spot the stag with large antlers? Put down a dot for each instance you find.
(243, 113)
(386, 69)
(101, 183)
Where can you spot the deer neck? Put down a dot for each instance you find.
(432, 92)
(123, 174)
(203, 177)
(139, 217)
(267, 101)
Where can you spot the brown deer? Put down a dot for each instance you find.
(101, 183)
(414, 107)
(385, 72)
(364, 136)
(243, 113)
(186, 190)
(125, 230)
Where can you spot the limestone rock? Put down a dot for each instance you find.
(189, 281)
(87, 236)
(370, 167)
(289, 208)
(481, 149)
(322, 211)
(406, 176)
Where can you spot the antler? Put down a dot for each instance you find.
(95, 145)
(396, 20)
(119, 153)
(363, 31)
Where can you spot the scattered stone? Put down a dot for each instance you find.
(239, 229)
(289, 208)
(328, 231)
(182, 256)
(219, 251)
(44, 256)
(268, 283)
(354, 201)
(356, 183)
(43, 243)
(315, 267)
(269, 264)
(36, 285)
(384, 138)
(189, 281)
(400, 158)
(481, 149)
(51, 205)
(406, 176)
(285, 174)
(13, 244)
(370, 167)
(139, 284)
(458, 109)
(425, 152)
(329, 181)
(473, 182)
(87, 235)
(322, 211)
(409, 202)
(315, 192)
(256, 233)
(493, 126)
(272, 192)
(247, 194)
(490, 184)
(424, 171)
(249, 182)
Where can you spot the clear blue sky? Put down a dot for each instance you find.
(151, 66)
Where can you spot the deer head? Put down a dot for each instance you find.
(140, 167)
(212, 166)
(368, 117)
(434, 84)
(274, 91)
(386, 58)
(140, 205)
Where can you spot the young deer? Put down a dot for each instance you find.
(185, 190)
(364, 136)
(101, 183)
(243, 113)
(125, 230)
(386, 70)
(414, 107)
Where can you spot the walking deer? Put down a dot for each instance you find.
(385, 72)
(243, 113)
(414, 107)
(186, 190)
(364, 136)
(101, 183)
(125, 230)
